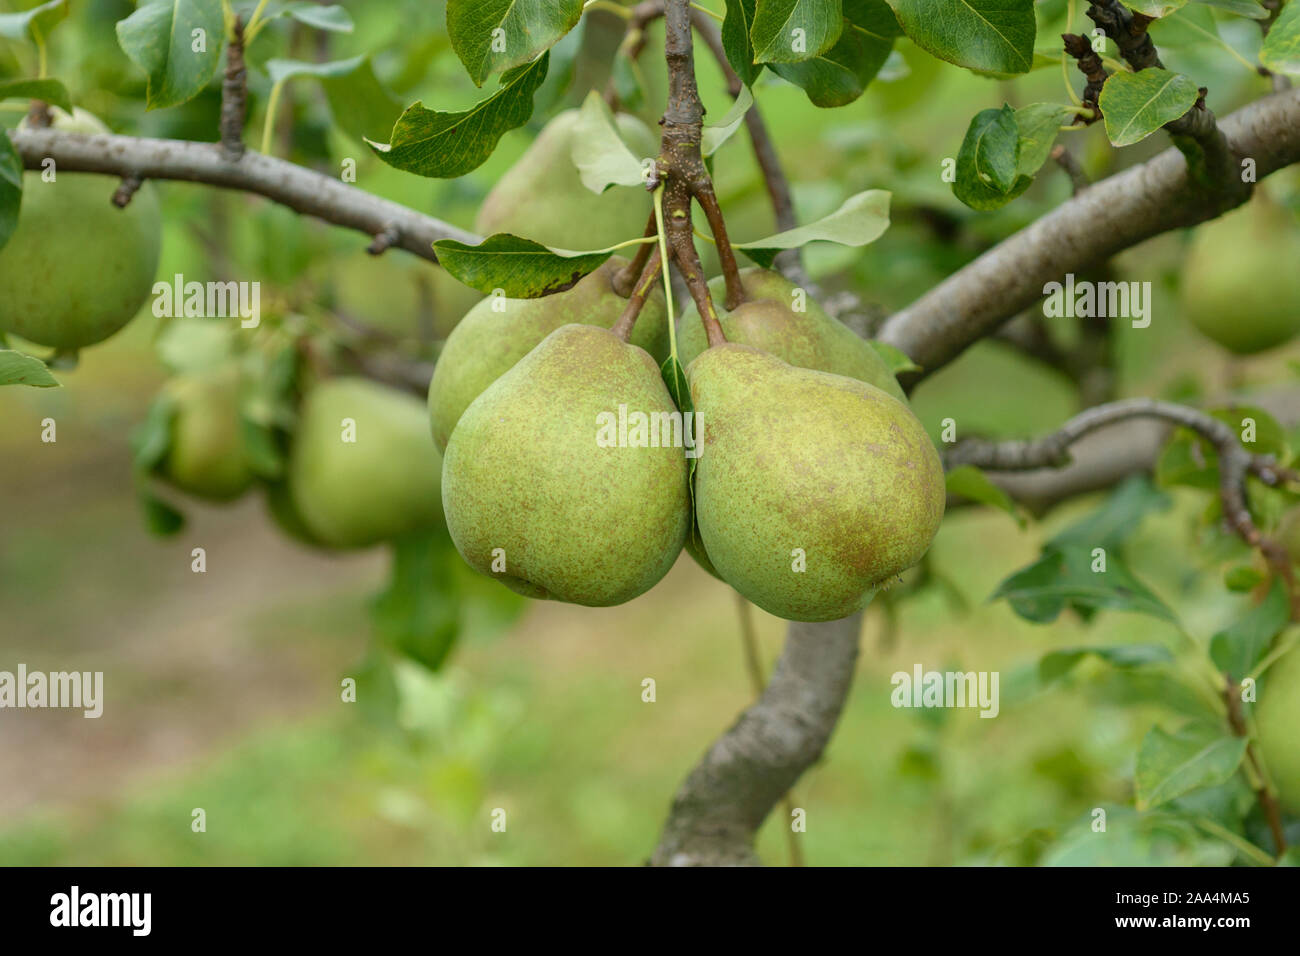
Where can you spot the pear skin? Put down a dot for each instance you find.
(77, 269)
(1278, 719)
(534, 499)
(356, 493)
(767, 320)
(208, 458)
(498, 332)
(541, 197)
(807, 469)
(1241, 286)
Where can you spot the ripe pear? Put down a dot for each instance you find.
(812, 490)
(1241, 286)
(542, 197)
(498, 332)
(362, 467)
(1278, 721)
(538, 499)
(208, 457)
(77, 268)
(767, 320)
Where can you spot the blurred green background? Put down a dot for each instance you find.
(223, 688)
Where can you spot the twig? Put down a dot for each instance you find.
(644, 286)
(129, 186)
(1267, 801)
(1090, 66)
(385, 240)
(303, 190)
(624, 280)
(1065, 159)
(234, 95)
(1107, 217)
(1234, 463)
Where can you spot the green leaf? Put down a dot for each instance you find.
(675, 378)
(715, 134)
(281, 70)
(735, 40)
(264, 454)
(988, 162)
(362, 106)
(18, 368)
(1281, 50)
(1039, 124)
(1192, 26)
(1242, 8)
(1057, 664)
(841, 74)
(1115, 521)
(332, 18)
(1041, 591)
(49, 90)
(1155, 8)
(448, 145)
(1135, 105)
(787, 31)
(418, 614)
(992, 35)
(969, 482)
(1269, 436)
(521, 268)
(1239, 647)
(11, 189)
(861, 219)
(1187, 460)
(151, 440)
(897, 360)
(491, 36)
(1242, 578)
(161, 38)
(160, 518)
(1197, 755)
(34, 24)
(602, 158)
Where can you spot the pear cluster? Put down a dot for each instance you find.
(814, 485)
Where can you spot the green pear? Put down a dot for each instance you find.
(812, 490)
(362, 467)
(1278, 721)
(498, 332)
(77, 268)
(1241, 286)
(540, 495)
(767, 320)
(284, 512)
(208, 457)
(542, 197)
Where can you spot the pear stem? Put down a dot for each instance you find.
(645, 283)
(680, 168)
(625, 280)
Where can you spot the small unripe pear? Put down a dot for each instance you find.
(1241, 286)
(362, 467)
(812, 490)
(542, 197)
(208, 457)
(535, 498)
(781, 319)
(498, 332)
(1278, 720)
(77, 268)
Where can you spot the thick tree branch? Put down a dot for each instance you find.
(303, 190)
(721, 805)
(1103, 219)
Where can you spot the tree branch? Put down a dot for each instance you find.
(303, 190)
(721, 805)
(1108, 216)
